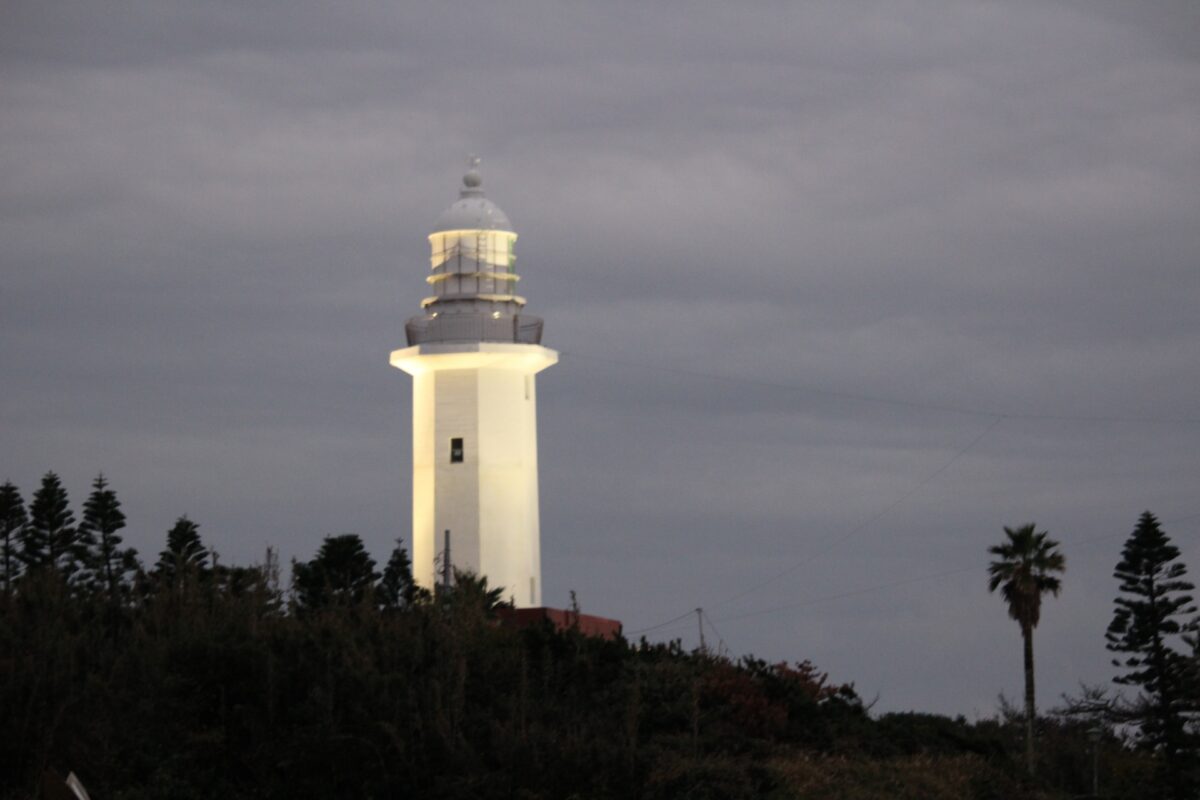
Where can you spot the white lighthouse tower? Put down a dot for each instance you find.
(473, 354)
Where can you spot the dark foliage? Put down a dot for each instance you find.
(913, 733)
(1153, 611)
(49, 541)
(1025, 569)
(342, 573)
(208, 687)
(397, 587)
(204, 683)
(185, 554)
(12, 520)
(109, 567)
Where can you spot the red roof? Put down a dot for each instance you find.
(562, 619)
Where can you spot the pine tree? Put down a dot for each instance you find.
(12, 519)
(185, 552)
(342, 573)
(397, 587)
(108, 563)
(1154, 610)
(50, 538)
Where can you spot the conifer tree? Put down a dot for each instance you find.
(1155, 609)
(396, 587)
(185, 552)
(343, 572)
(50, 537)
(12, 519)
(108, 563)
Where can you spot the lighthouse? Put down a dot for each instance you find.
(474, 354)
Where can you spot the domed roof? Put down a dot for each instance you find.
(472, 211)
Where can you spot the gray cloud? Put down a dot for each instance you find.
(213, 219)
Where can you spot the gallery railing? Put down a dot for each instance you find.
(518, 328)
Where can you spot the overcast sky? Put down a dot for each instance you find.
(840, 289)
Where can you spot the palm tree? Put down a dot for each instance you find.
(1023, 573)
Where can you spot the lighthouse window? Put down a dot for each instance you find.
(456, 451)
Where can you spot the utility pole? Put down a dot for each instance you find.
(447, 570)
(700, 623)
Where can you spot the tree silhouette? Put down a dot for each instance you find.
(1023, 573)
(397, 587)
(471, 591)
(185, 552)
(341, 573)
(49, 539)
(107, 561)
(12, 519)
(446, 698)
(1154, 609)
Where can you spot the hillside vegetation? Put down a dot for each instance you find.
(195, 679)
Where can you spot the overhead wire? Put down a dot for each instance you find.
(680, 618)
(724, 648)
(890, 585)
(996, 419)
(922, 578)
(850, 593)
(894, 401)
(838, 394)
(835, 540)
(838, 539)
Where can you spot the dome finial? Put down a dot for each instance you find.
(472, 180)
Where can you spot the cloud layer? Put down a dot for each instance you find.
(799, 260)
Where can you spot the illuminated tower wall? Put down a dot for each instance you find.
(473, 356)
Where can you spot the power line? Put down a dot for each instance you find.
(1078, 542)
(851, 593)
(785, 386)
(836, 540)
(996, 418)
(896, 584)
(705, 621)
(894, 401)
(682, 616)
(724, 648)
(920, 579)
